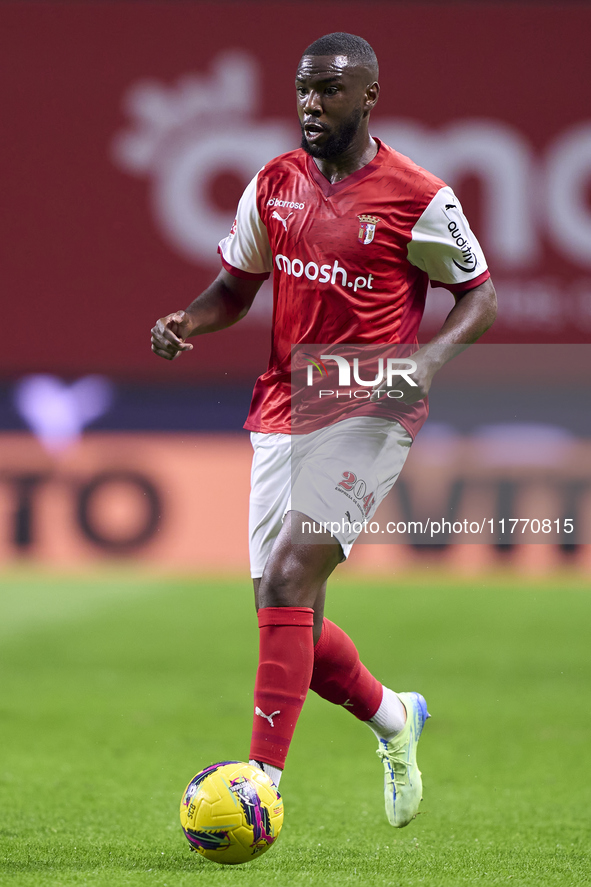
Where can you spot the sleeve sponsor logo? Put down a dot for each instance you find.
(468, 256)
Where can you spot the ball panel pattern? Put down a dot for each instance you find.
(231, 812)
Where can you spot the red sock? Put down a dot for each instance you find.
(341, 677)
(286, 657)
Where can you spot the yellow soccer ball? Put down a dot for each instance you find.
(231, 812)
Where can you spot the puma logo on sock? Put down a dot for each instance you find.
(270, 717)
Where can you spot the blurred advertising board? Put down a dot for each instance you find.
(181, 501)
(503, 461)
(132, 128)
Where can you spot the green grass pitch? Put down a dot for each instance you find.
(115, 690)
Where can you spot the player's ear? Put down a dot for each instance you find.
(372, 93)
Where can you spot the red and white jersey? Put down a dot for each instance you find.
(351, 263)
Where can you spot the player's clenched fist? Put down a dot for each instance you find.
(169, 334)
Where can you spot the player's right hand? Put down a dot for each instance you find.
(169, 333)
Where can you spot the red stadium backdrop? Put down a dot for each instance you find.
(130, 129)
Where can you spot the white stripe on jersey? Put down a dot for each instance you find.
(247, 248)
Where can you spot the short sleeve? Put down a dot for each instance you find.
(246, 251)
(445, 248)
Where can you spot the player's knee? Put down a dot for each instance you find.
(282, 586)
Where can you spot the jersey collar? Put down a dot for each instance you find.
(329, 189)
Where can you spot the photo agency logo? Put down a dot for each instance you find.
(352, 381)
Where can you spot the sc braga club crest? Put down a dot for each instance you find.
(367, 228)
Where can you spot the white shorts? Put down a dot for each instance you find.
(336, 475)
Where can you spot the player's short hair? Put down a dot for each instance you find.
(355, 48)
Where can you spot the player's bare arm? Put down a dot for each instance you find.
(225, 302)
(472, 315)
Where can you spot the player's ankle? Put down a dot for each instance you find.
(390, 717)
(273, 772)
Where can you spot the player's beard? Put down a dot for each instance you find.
(337, 142)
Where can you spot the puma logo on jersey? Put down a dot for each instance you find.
(281, 219)
(269, 718)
